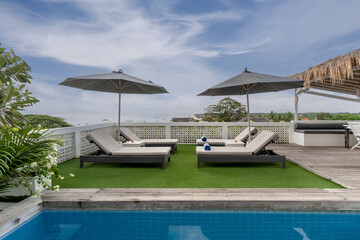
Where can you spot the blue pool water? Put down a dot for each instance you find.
(199, 225)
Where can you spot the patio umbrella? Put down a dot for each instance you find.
(248, 83)
(114, 82)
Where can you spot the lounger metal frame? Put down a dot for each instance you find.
(101, 157)
(125, 159)
(264, 156)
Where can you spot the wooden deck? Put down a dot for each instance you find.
(341, 165)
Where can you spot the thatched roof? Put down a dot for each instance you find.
(340, 74)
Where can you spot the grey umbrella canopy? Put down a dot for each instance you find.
(115, 82)
(249, 83)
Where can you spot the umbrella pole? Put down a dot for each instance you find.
(118, 132)
(248, 113)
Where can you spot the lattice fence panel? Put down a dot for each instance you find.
(189, 134)
(149, 132)
(283, 131)
(67, 150)
(87, 147)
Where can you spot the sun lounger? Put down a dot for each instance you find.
(253, 152)
(355, 128)
(129, 135)
(112, 151)
(242, 137)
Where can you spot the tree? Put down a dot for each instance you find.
(345, 116)
(272, 117)
(281, 117)
(14, 97)
(289, 116)
(323, 116)
(46, 121)
(227, 110)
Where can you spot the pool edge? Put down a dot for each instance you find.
(19, 213)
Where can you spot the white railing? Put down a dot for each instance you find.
(75, 143)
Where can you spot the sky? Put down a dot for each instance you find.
(186, 46)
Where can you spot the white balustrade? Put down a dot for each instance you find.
(75, 142)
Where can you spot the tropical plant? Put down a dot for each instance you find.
(14, 97)
(46, 121)
(5, 159)
(272, 116)
(280, 117)
(226, 110)
(27, 153)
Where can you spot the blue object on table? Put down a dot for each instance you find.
(207, 147)
(203, 139)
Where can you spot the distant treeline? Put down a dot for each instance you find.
(288, 116)
(230, 110)
(46, 121)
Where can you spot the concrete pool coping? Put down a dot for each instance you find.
(227, 198)
(181, 199)
(19, 213)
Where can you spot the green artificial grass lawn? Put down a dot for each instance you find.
(182, 172)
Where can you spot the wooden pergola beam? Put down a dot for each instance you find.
(328, 88)
(331, 96)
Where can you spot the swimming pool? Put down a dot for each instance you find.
(200, 225)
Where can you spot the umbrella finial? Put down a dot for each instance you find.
(120, 71)
(246, 70)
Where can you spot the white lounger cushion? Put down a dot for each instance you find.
(111, 146)
(223, 151)
(213, 141)
(264, 138)
(104, 141)
(241, 137)
(129, 134)
(245, 133)
(142, 151)
(159, 141)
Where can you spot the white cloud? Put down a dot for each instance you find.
(158, 44)
(294, 26)
(114, 33)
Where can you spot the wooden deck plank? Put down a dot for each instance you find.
(339, 164)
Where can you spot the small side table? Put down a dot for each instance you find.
(234, 144)
(134, 144)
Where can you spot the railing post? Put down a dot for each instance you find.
(77, 143)
(225, 131)
(296, 109)
(167, 130)
(291, 132)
